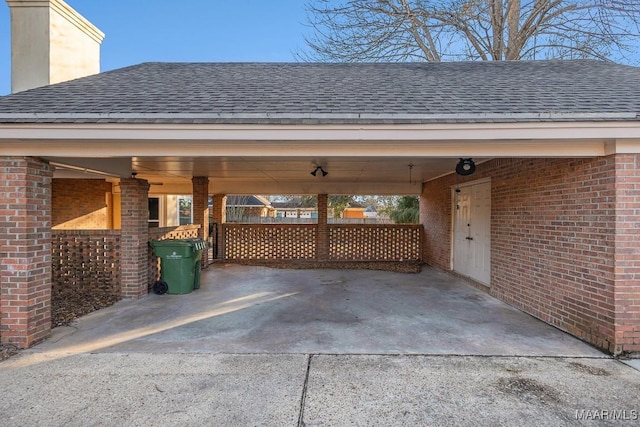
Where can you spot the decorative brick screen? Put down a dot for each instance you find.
(86, 259)
(270, 241)
(179, 232)
(349, 242)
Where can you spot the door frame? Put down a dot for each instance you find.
(453, 215)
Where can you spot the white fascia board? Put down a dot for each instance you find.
(623, 146)
(501, 139)
(395, 132)
(343, 148)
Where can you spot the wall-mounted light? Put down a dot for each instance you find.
(319, 168)
(465, 167)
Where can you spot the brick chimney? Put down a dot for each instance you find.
(50, 43)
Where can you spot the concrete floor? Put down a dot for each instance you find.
(241, 309)
(257, 346)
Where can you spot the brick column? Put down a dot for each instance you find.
(135, 237)
(25, 250)
(220, 217)
(201, 210)
(322, 239)
(627, 254)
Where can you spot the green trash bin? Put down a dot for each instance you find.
(179, 265)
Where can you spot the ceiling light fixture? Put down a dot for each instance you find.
(319, 168)
(465, 167)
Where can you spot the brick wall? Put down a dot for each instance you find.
(81, 204)
(627, 243)
(435, 215)
(553, 241)
(25, 250)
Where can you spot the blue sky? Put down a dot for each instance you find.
(193, 30)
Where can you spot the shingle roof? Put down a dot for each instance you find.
(246, 201)
(337, 93)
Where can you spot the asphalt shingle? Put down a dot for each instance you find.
(295, 93)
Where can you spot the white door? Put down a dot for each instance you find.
(472, 231)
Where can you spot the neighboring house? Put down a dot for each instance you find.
(248, 208)
(371, 212)
(549, 221)
(294, 210)
(355, 210)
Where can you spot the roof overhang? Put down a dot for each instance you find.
(128, 144)
(555, 139)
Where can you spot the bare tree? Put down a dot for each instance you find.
(439, 30)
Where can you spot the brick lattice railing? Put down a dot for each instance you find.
(270, 241)
(91, 259)
(86, 259)
(347, 242)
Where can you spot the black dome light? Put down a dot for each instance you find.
(465, 167)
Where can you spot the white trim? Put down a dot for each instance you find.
(488, 140)
(509, 132)
(628, 129)
(469, 183)
(622, 146)
(65, 11)
(475, 117)
(452, 188)
(453, 219)
(302, 148)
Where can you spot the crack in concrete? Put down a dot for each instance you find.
(303, 397)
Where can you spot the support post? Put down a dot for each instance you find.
(219, 215)
(135, 237)
(200, 193)
(322, 239)
(25, 250)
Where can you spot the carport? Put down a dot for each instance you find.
(548, 221)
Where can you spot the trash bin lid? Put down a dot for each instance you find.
(194, 244)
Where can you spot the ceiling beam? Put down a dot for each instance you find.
(273, 188)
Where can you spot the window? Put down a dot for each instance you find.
(154, 212)
(185, 209)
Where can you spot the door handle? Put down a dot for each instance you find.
(469, 238)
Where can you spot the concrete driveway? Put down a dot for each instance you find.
(260, 346)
